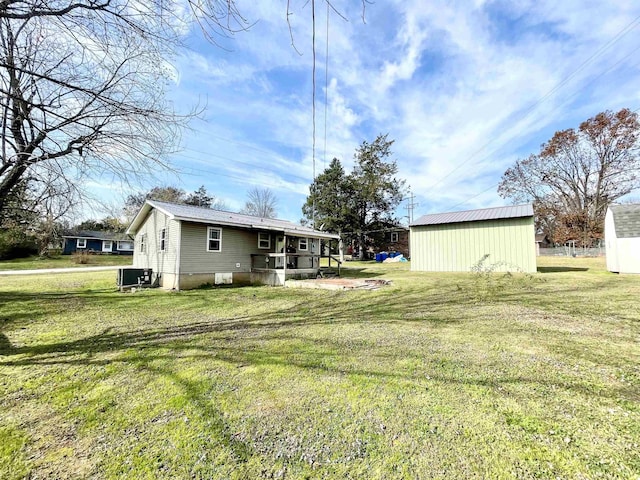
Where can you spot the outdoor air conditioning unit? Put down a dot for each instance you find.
(134, 277)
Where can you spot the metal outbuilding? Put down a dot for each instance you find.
(622, 238)
(456, 241)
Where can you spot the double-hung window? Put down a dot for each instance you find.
(303, 244)
(162, 240)
(214, 239)
(394, 237)
(82, 243)
(264, 241)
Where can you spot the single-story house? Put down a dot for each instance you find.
(396, 239)
(97, 242)
(188, 246)
(622, 238)
(542, 241)
(503, 238)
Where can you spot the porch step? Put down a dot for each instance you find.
(326, 272)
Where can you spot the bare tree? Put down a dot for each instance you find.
(82, 84)
(578, 174)
(261, 202)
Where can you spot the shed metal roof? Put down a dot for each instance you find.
(626, 219)
(190, 213)
(512, 211)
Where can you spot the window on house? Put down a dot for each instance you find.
(143, 243)
(303, 244)
(162, 243)
(82, 243)
(394, 237)
(125, 245)
(264, 240)
(214, 239)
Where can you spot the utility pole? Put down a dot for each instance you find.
(410, 206)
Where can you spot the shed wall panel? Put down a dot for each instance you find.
(510, 244)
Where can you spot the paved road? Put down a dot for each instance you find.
(59, 270)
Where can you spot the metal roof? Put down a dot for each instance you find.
(196, 214)
(98, 235)
(626, 219)
(496, 213)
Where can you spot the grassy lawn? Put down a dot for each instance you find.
(63, 261)
(436, 376)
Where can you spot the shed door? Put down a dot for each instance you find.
(107, 246)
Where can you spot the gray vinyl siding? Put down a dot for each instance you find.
(510, 244)
(237, 247)
(160, 262)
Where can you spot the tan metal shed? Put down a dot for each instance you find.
(456, 241)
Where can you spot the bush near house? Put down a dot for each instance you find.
(535, 378)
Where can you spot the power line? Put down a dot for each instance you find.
(326, 92)
(529, 109)
(253, 165)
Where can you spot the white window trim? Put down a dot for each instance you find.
(84, 243)
(162, 240)
(120, 242)
(143, 243)
(219, 239)
(261, 238)
(306, 244)
(104, 245)
(394, 237)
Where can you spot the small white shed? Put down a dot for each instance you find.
(622, 238)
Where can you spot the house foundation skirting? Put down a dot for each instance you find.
(272, 277)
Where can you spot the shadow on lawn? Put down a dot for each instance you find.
(561, 269)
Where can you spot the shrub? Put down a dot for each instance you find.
(81, 258)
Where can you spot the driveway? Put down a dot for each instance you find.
(59, 270)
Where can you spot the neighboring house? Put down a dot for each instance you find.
(542, 241)
(396, 239)
(187, 246)
(97, 242)
(455, 242)
(622, 238)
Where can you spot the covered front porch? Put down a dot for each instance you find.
(295, 257)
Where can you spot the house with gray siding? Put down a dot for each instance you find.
(188, 246)
(622, 238)
(455, 242)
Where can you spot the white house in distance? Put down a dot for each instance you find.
(456, 241)
(622, 238)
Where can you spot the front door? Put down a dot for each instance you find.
(107, 246)
(279, 249)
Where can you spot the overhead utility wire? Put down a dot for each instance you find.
(313, 105)
(529, 109)
(557, 108)
(326, 92)
(252, 165)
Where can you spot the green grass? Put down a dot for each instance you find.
(63, 261)
(436, 376)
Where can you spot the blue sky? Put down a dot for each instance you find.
(464, 88)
